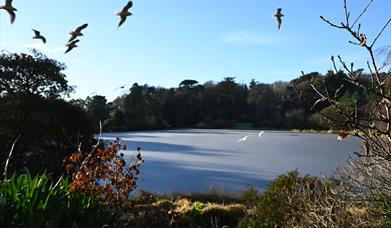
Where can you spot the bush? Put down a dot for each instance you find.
(271, 209)
(104, 174)
(250, 196)
(294, 201)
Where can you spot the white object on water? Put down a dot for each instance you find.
(244, 138)
(260, 133)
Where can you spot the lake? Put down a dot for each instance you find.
(194, 160)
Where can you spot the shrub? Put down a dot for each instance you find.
(270, 208)
(250, 196)
(294, 201)
(104, 174)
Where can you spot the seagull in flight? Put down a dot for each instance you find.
(71, 45)
(278, 16)
(124, 13)
(121, 87)
(77, 32)
(37, 35)
(244, 138)
(260, 134)
(10, 9)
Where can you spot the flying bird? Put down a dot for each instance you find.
(121, 87)
(77, 32)
(244, 138)
(278, 16)
(124, 13)
(10, 9)
(71, 45)
(260, 134)
(37, 35)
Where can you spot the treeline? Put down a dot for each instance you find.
(34, 106)
(225, 104)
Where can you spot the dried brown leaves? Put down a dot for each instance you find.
(104, 173)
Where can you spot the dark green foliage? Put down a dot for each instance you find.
(97, 108)
(188, 83)
(49, 128)
(382, 206)
(264, 105)
(134, 108)
(31, 105)
(39, 202)
(270, 207)
(231, 99)
(227, 104)
(250, 196)
(32, 74)
(115, 121)
(142, 108)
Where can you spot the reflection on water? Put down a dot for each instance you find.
(195, 160)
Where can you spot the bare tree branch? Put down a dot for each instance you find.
(381, 31)
(365, 9)
(330, 23)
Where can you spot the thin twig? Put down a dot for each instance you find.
(365, 9)
(330, 23)
(381, 31)
(334, 64)
(9, 156)
(347, 14)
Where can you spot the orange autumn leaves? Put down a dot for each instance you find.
(342, 135)
(367, 145)
(103, 173)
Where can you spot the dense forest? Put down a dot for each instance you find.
(225, 104)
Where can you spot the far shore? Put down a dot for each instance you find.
(320, 131)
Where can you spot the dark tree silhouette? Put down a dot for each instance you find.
(31, 106)
(32, 74)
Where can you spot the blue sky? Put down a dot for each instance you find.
(167, 41)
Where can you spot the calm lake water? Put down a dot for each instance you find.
(196, 160)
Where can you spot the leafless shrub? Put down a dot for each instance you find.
(364, 184)
(318, 204)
